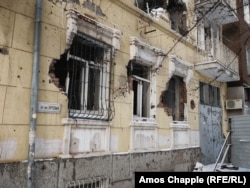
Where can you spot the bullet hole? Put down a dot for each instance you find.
(20, 68)
(43, 167)
(18, 76)
(43, 81)
(192, 104)
(4, 51)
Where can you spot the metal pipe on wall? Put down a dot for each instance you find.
(34, 96)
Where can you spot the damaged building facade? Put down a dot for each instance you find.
(122, 86)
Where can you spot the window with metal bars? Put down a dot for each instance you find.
(88, 79)
(84, 74)
(95, 182)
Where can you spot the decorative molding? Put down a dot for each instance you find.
(77, 22)
(145, 53)
(180, 68)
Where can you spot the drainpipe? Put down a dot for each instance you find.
(34, 96)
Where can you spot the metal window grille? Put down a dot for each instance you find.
(96, 182)
(89, 79)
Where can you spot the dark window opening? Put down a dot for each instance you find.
(84, 74)
(176, 8)
(209, 95)
(248, 60)
(148, 5)
(141, 88)
(175, 98)
(208, 39)
(247, 94)
(178, 15)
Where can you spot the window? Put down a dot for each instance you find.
(148, 5)
(83, 73)
(246, 11)
(88, 74)
(176, 9)
(209, 95)
(175, 97)
(178, 16)
(248, 60)
(141, 87)
(145, 61)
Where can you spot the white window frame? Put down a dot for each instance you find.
(145, 128)
(140, 96)
(248, 60)
(79, 23)
(246, 11)
(84, 87)
(148, 56)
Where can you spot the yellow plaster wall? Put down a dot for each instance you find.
(17, 36)
(6, 26)
(16, 68)
(16, 107)
(50, 40)
(17, 32)
(13, 142)
(161, 38)
(121, 139)
(25, 7)
(2, 101)
(23, 36)
(49, 141)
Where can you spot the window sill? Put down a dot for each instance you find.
(87, 154)
(143, 122)
(70, 121)
(179, 125)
